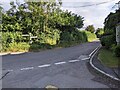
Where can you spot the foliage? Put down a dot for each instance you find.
(99, 32)
(90, 28)
(74, 36)
(110, 24)
(18, 47)
(107, 41)
(51, 36)
(109, 36)
(10, 37)
(111, 21)
(117, 51)
(45, 20)
(90, 36)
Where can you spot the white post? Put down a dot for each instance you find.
(118, 34)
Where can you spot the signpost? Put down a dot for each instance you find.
(118, 33)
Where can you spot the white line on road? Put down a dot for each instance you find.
(45, 65)
(74, 61)
(9, 70)
(85, 58)
(93, 51)
(28, 68)
(60, 63)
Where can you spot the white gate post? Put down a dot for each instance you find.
(118, 34)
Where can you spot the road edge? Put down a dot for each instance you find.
(12, 53)
(91, 55)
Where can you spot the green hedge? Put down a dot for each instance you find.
(13, 41)
(107, 41)
(117, 50)
(74, 36)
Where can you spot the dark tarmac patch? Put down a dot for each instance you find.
(102, 78)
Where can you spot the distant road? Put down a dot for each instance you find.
(58, 67)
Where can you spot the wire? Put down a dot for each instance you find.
(89, 4)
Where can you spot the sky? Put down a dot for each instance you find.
(93, 15)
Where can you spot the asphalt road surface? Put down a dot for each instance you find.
(63, 68)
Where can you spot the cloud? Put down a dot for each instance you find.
(93, 14)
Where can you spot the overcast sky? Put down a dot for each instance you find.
(92, 15)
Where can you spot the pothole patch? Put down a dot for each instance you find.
(51, 87)
(83, 57)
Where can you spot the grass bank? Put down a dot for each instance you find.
(107, 58)
(91, 36)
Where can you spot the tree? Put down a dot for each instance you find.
(90, 28)
(99, 32)
(110, 23)
(43, 19)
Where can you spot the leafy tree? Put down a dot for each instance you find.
(90, 28)
(42, 19)
(111, 21)
(99, 32)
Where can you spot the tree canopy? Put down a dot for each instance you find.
(111, 22)
(90, 28)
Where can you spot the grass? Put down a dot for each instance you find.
(91, 36)
(107, 58)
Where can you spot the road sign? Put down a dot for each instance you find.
(118, 34)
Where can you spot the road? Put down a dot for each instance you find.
(63, 68)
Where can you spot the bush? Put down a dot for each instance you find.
(74, 36)
(15, 47)
(107, 41)
(10, 37)
(113, 47)
(34, 47)
(50, 36)
(117, 51)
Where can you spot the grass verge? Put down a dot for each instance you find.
(91, 36)
(107, 58)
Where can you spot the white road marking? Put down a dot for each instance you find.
(60, 63)
(10, 70)
(93, 51)
(45, 65)
(73, 60)
(28, 68)
(85, 58)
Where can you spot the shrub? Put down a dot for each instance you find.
(50, 36)
(34, 47)
(102, 40)
(22, 46)
(117, 51)
(107, 41)
(74, 36)
(113, 47)
(10, 37)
